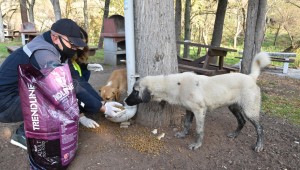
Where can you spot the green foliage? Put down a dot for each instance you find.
(3, 50)
(98, 57)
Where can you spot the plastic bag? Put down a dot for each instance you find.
(51, 116)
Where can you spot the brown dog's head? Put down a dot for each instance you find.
(109, 93)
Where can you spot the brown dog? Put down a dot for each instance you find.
(115, 86)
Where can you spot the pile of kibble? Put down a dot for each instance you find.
(140, 139)
(145, 142)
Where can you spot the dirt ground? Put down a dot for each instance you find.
(135, 147)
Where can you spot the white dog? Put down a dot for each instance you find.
(199, 94)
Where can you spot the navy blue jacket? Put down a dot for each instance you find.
(41, 53)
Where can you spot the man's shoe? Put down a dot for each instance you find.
(19, 139)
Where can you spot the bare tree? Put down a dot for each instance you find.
(56, 8)
(23, 8)
(286, 19)
(68, 8)
(105, 15)
(239, 21)
(254, 32)
(156, 54)
(187, 27)
(86, 15)
(294, 3)
(178, 10)
(30, 10)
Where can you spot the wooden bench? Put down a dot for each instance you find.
(283, 57)
(11, 49)
(198, 70)
(202, 65)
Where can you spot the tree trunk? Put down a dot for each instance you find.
(56, 8)
(156, 55)
(86, 16)
(23, 8)
(260, 25)
(204, 32)
(249, 36)
(237, 31)
(239, 27)
(68, 8)
(1, 27)
(290, 35)
(276, 35)
(187, 27)
(218, 26)
(254, 32)
(30, 11)
(178, 10)
(105, 15)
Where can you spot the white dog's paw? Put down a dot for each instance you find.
(195, 146)
(232, 134)
(180, 135)
(259, 148)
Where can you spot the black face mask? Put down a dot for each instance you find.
(66, 52)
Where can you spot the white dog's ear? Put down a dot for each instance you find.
(146, 95)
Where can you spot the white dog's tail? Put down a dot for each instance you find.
(261, 60)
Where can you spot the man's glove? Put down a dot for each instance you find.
(111, 110)
(94, 67)
(87, 122)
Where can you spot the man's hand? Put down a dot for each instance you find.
(87, 122)
(95, 67)
(111, 110)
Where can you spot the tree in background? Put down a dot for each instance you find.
(105, 15)
(296, 3)
(218, 26)
(156, 55)
(219, 23)
(256, 17)
(202, 19)
(23, 8)
(68, 8)
(285, 21)
(56, 8)
(240, 20)
(86, 15)
(30, 10)
(187, 27)
(178, 10)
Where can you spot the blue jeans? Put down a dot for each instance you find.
(86, 74)
(10, 111)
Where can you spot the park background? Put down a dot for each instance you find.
(110, 147)
(281, 31)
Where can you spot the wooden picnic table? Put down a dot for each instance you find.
(202, 65)
(11, 49)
